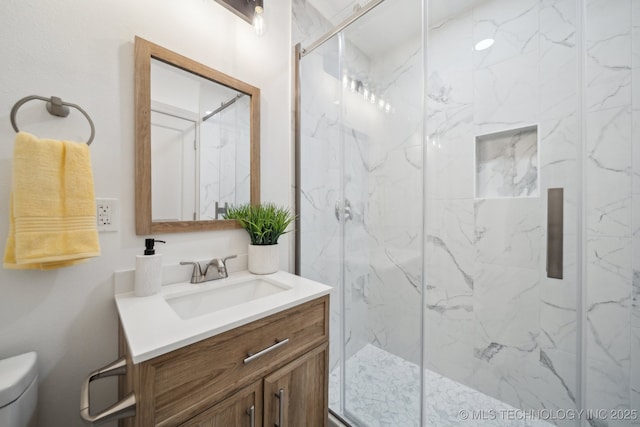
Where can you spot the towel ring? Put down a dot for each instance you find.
(55, 107)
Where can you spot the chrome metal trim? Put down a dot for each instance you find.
(280, 396)
(297, 143)
(337, 419)
(252, 416)
(251, 357)
(555, 231)
(122, 409)
(223, 106)
(55, 107)
(341, 26)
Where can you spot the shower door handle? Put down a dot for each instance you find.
(343, 209)
(555, 231)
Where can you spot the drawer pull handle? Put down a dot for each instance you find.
(280, 396)
(252, 415)
(252, 357)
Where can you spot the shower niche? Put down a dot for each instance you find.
(507, 163)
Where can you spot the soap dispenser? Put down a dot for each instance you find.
(148, 270)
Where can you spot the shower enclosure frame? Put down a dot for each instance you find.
(581, 155)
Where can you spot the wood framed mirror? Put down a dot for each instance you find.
(197, 143)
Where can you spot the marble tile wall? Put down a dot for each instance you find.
(612, 353)
(507, 163)
(394, 221)
(553, 377)
(493, 320)
(308, 24)
(523, 340)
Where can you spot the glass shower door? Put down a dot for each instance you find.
(382, 86)
(320, 174)
(502, 188)
(361, 209)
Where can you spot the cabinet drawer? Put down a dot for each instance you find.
(186, 381)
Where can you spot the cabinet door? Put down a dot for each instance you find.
(243, 408)
(296, 394)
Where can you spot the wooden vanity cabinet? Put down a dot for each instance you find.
(293, 394)
(243, 408)
(211, 383)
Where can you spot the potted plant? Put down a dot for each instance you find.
(265, 223)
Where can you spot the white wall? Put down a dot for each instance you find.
(82, 51)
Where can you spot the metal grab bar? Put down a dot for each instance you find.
(122, 409)
(252, 357)
(56, 107)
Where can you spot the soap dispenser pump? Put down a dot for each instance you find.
(149, 246)
(148, 270)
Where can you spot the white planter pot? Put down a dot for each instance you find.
(263, 259)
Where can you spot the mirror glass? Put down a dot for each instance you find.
(197, 143)
(200, 146)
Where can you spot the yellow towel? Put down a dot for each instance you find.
(52, 206)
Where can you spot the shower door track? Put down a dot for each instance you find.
(341, 26)
(338, 417)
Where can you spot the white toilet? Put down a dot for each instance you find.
(19, 391)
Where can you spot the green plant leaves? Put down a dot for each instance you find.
(265, 223)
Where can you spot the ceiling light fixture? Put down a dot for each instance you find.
(484, 44)
(251, 11)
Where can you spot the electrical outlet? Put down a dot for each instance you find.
(107, 214)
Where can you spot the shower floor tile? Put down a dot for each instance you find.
(382, 390)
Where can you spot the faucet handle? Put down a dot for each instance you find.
(224, 260)
(222, 265)
(196, 273)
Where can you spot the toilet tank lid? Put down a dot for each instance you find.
(16, 373)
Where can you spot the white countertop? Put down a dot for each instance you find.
(152, 328)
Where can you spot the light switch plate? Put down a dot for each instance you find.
(107, 214)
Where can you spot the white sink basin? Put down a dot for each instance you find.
(196, 303)
(183, 313)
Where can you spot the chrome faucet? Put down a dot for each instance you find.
(200, 276)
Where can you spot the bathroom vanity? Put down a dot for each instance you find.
(260, 361)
